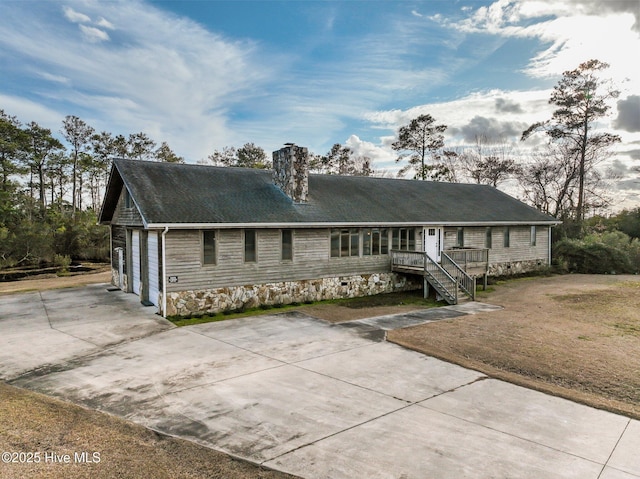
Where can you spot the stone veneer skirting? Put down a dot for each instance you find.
(516, 267)
(231, 298)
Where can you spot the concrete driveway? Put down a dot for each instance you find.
(300, 395)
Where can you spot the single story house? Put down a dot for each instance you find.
(195, 239)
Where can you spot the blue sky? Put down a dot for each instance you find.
(206, 74)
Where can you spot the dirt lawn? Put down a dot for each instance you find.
(575, 336)
(43, 282)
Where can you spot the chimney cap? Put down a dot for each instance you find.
(289, 144)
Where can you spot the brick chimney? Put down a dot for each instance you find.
(291, 171)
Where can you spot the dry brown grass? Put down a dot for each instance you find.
(575, 336)
(31, 422)
(100, 274)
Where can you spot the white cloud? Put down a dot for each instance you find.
(104, 23)
(456, 114)
(54, 78)
(28, 111)
(164, 75)
(573, 30)
(477, 113)
(382, 157)
(93, 34)
(75, 17)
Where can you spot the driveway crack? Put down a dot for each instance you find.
(46, 312)
(604, 466)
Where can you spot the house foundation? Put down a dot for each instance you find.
(211, 301)
(513, 268)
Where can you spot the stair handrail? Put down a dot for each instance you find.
(428, 261)
(467, 283)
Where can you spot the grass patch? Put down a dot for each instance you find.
(179, 321)
(575, 336)
(230, 314)
(413, 298)
(410, 298)
(627, 328)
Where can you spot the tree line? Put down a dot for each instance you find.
(50, 193)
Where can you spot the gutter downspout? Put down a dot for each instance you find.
(549, 255)
(164, 272)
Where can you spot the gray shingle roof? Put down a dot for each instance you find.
(184, 194)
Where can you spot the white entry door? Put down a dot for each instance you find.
(135, 261)
(152, 262)
(433, 242)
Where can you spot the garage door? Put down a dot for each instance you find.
(152, 250)
(135, 261)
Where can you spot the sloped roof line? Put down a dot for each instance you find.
(183, 194)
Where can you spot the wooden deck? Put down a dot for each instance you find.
(475, 261)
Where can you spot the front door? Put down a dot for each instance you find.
(433, 243)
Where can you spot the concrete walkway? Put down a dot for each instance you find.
(298, 394)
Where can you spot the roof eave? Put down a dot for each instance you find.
(346, 224)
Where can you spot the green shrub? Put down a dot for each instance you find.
(62, 261)
(594, 257)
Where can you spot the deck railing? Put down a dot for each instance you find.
(412, 259)
(469, 257)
